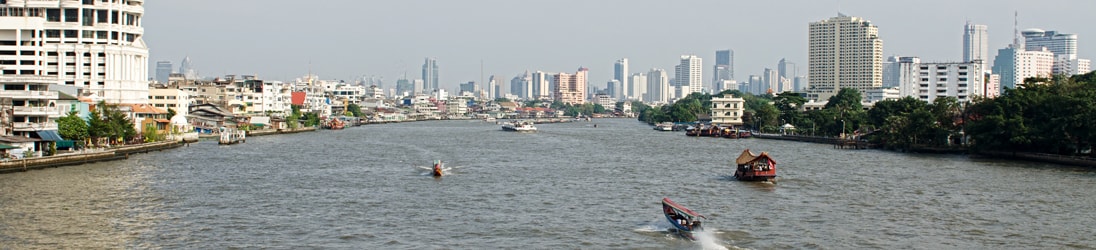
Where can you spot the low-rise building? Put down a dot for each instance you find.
(727, 111)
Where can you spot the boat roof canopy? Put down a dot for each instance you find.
(748, 157)
(668, 202)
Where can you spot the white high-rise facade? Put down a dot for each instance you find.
(1014, 64)
(658, 86)
(844, 52)
(976, 44)
(928, 81)
(689, 74)
(620, 73)
(95, 45)
(639, 86)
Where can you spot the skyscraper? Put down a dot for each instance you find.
(430, 74)
(844, 52)
(639, 86)
(1014, 64)
(787, 71)
(723, 69)
(187, 68)
(689, 74)
(163, 71)
(404, 86)
(1064, 47)
(658, 86)
(570, 89)
(620, 73)
(975, 44)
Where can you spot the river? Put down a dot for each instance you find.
(567, 186)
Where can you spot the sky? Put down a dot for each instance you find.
(473, 39)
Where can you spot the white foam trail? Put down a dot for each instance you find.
(707, 240)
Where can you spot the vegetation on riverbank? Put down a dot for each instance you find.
(1045, 115)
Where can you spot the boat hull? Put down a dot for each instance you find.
(685, 221)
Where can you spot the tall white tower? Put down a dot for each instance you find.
(976, 44)
(844, 52)
(689, 74)
(658, 86)
(620, 73)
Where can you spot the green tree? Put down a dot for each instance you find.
(354, 110)
(847, 99)
(72, 127)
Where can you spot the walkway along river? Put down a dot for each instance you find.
(570, 185)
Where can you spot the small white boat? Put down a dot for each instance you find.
(665, 126)
(520, 126)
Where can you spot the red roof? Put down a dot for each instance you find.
(297, 98)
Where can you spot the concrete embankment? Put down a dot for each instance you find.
(1037, 157)
(89, 156)
(836, 142)
(279, 131)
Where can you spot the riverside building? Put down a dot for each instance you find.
(96, 46)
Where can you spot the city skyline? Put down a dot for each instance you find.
(391, 39)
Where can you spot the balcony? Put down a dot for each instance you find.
(29, 95)
(35, 111)
(32, 126)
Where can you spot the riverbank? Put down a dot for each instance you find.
(1022, 156)
(85, 156)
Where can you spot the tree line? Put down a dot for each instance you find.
(1046, 115)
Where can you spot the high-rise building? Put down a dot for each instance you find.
(493, 83)
(658, 86)
(521, 85)
(404, 87)
(689, 74)
(613, 89)
(620, 73)
(756, 86)
(163, 71)
(844, 52)
(1064, 47)
(724, 68)
(541, 86)
(1014, 64)
(894, 70)
(975, 44)
(186, 67)
(44, 39)
(469, 87)
(430, 74)
(787, 71)
(928, 81)
(639, 86)
(570, 89)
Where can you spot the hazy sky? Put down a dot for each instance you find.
(348, 39)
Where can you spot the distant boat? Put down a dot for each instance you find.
(755, 167)
(684, 220)
(664, 126)
(229, 136)
(334, 124)
(437, 170)
(519, 126)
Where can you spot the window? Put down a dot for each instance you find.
(53, 33)
(89, 17)
(114, 17)
(101, 16)
(53, 15)
(26, 72)
(70, 34)
(72, 15)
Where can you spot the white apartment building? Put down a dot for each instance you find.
(170, 98)
(1015, 64)
(94, 45)
(689, 75)
(929, 81)
(873, 96)
(843, 52)
(727, 111)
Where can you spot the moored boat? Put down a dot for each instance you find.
(519, 126)
(664, 126)
(755, 167)
(685, 221)
(229, 136)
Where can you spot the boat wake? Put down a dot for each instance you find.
(429, 170)
(706, 239)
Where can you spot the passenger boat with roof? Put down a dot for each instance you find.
(437, 170)
(755, 167)
(685, 221)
